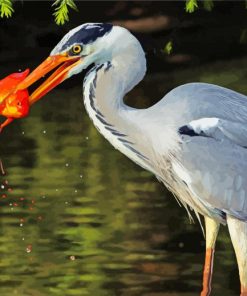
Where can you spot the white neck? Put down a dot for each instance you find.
(104, 89)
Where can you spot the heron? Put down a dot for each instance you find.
(194, 140)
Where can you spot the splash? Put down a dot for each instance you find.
(29, 248)
(9, 199)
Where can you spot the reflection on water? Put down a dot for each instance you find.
(78, 218)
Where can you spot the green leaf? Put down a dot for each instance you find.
(72, 5)
(6, 8)
(61, 11)
(208, 4)
(191, 6)
(168, 47)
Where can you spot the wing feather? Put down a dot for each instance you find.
(217, 173)
(212, 123)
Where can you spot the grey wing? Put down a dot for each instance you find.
(215, 162)
(202, 100)
(214, 150)
(219, 129)
(212, 122)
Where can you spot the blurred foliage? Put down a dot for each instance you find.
(62, 7)
(62, 12)
(168, 47)
(6, 8)
(191, 6)
(208, 5)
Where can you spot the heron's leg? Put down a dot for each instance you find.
(238, 233)
(212, 229)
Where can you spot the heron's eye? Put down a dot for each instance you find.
(76, 49)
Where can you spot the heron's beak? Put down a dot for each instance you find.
(62, 62)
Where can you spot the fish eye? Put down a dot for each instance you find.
(19, 103)
(76, 49)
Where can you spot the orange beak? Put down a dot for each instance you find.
(64, 63)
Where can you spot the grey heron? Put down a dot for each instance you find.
(193, 140)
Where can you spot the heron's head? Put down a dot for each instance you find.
(87, 44)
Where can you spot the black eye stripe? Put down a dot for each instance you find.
(87, 34)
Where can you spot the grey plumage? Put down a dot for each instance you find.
(216, 164)
(213, 162)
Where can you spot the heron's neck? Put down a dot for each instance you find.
(104, 90)
(107, 83)
(111, 80)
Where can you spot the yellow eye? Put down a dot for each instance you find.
(76, 49)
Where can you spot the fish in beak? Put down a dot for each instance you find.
(62, 63)
(15, 100)
(13, 103)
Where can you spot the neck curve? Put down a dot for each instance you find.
(104, 89)
(107, 83)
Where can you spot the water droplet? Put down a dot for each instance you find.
(56, 189)
(75, 191)
(86, 138)
(72, 258)
(44, 132)
(2, 187)
(81, 176)
(181, 245)
(66, 164)
(29, 249)
(23, 132)
(21, 224)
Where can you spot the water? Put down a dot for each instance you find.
(82, 219)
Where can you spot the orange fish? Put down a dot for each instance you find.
(13, 103)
